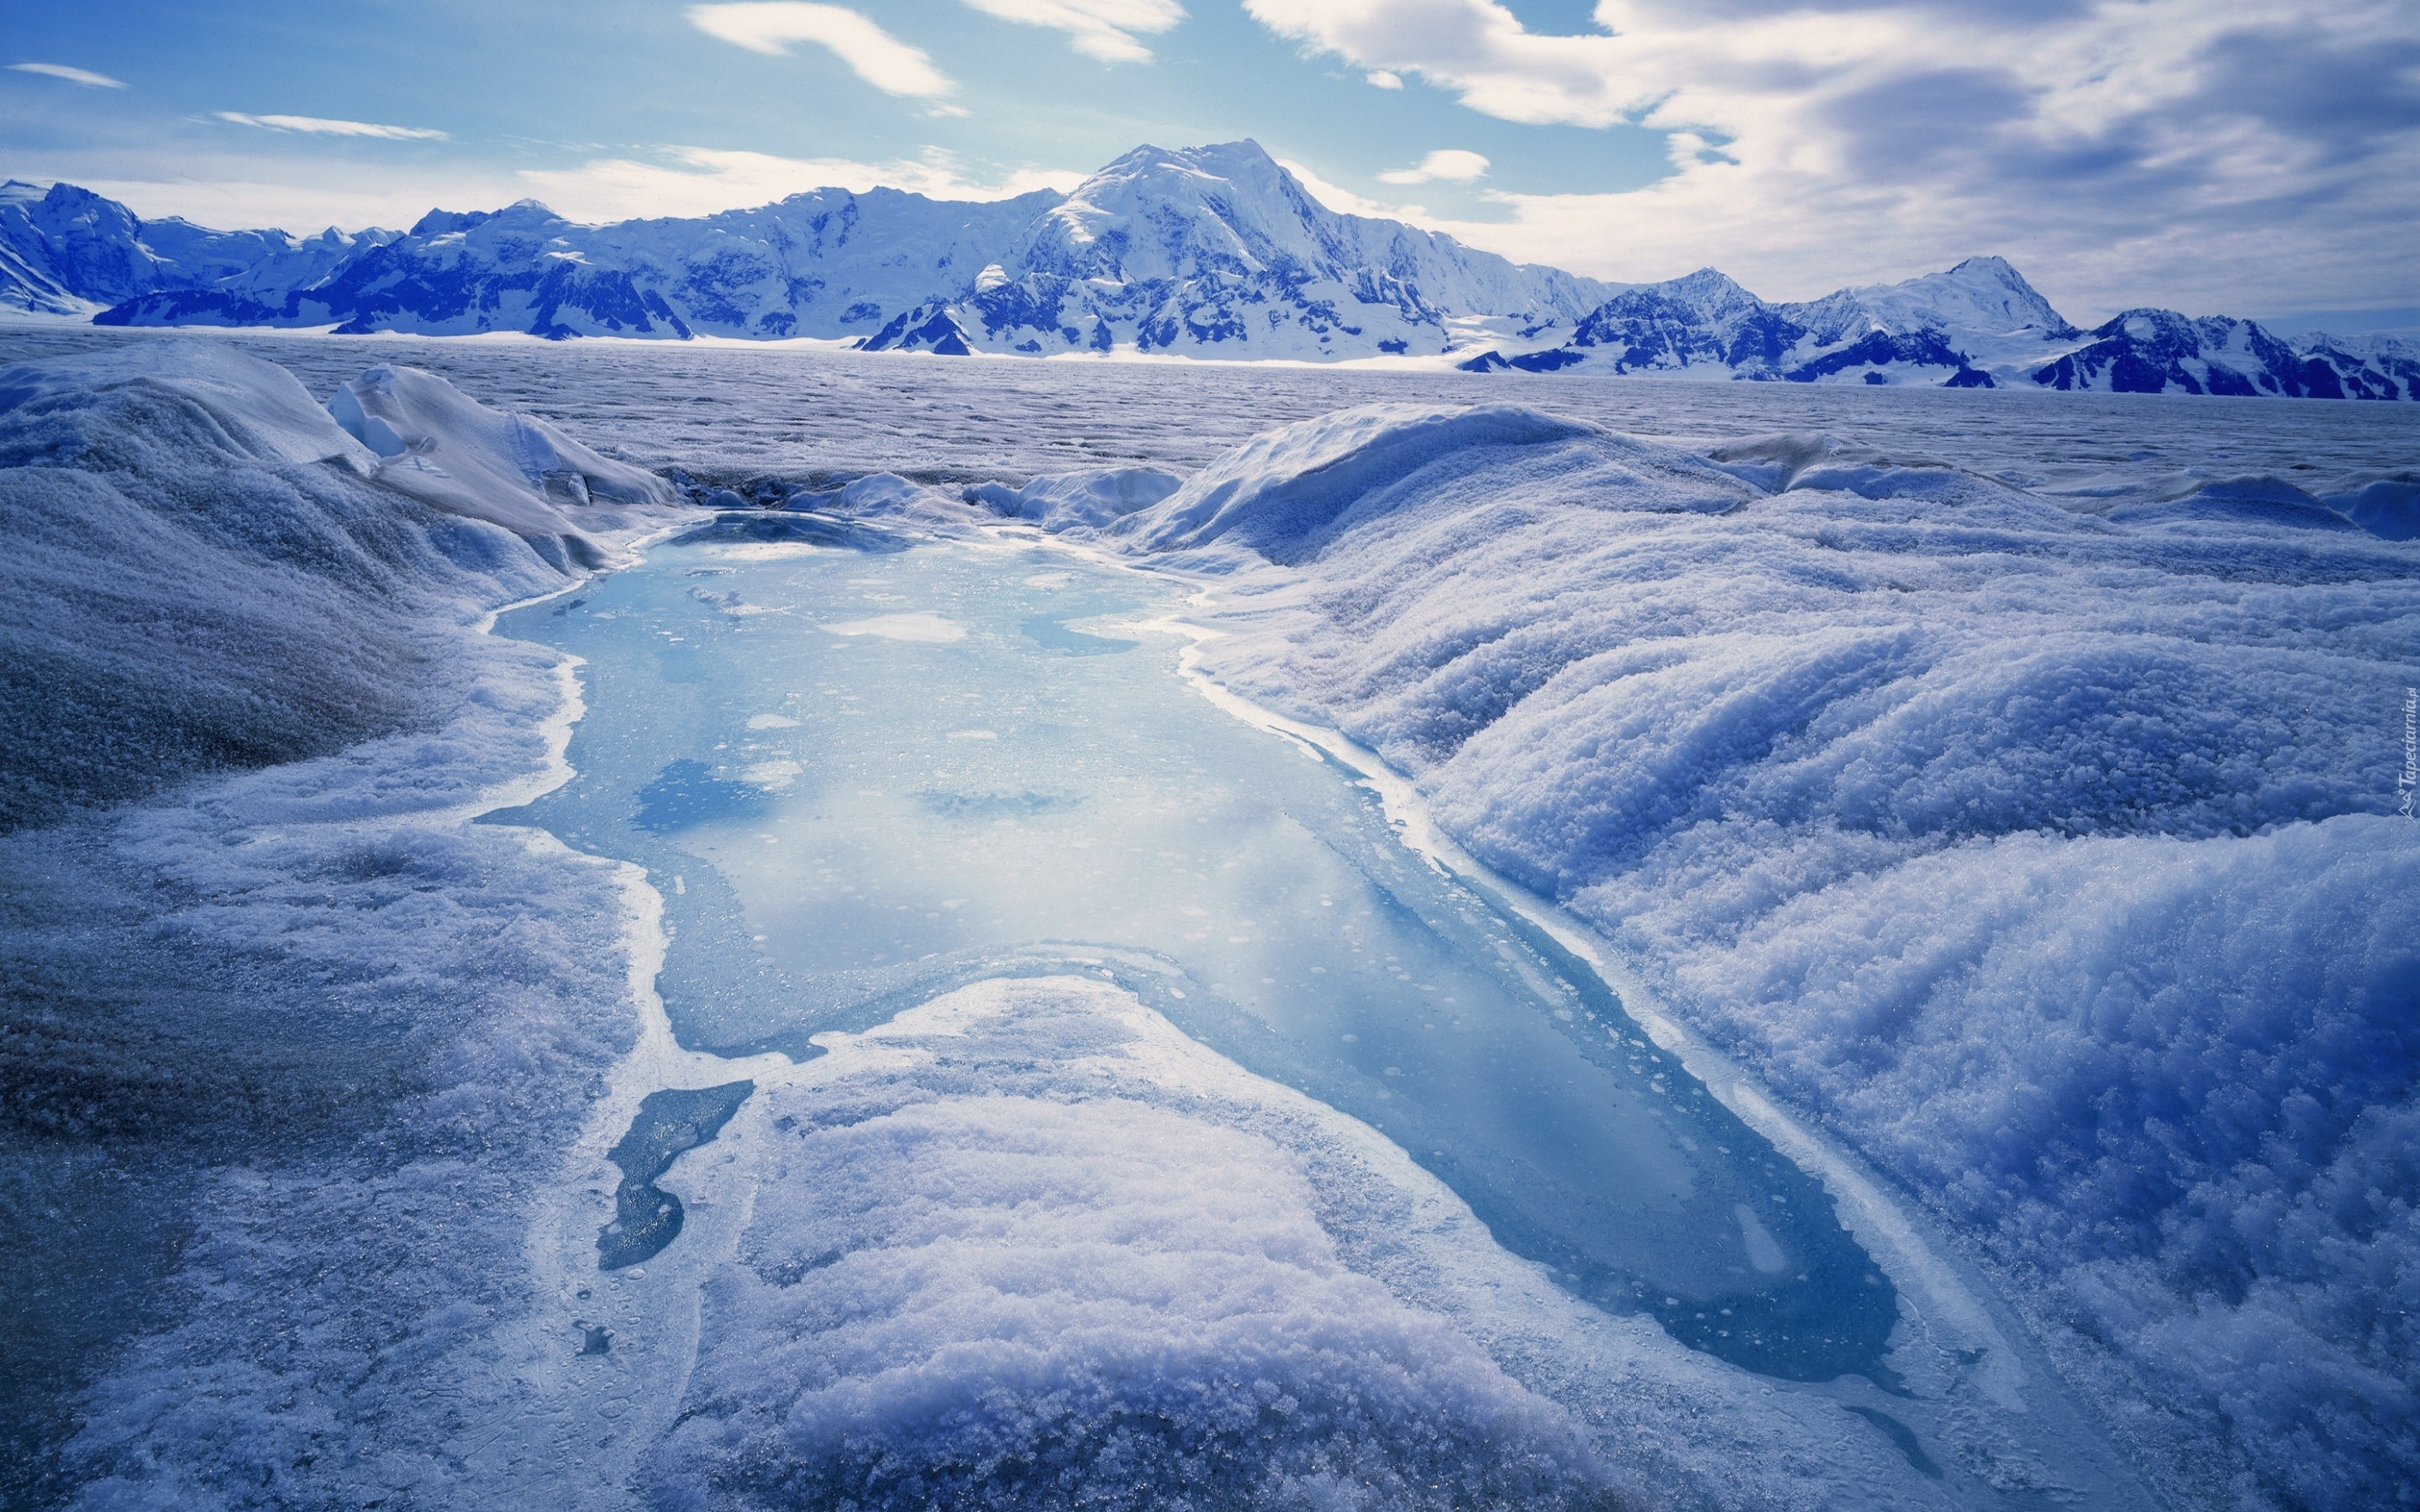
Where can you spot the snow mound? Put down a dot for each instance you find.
(888, 494)
(1028, 1245)
(291, 1048)
(444, 448)
(1284, 494)
(219, 584)
(953, 1289)
(259, 407)
(2249, 501)
(1065, 500)
(2052, 859)
(2388, 507)
(1812, 460)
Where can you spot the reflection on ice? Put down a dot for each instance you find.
(862, 822)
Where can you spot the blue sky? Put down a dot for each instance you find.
(2259, 158)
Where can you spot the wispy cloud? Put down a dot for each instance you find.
(72, 75)
(1104, 29)
(321, 126)
(770, 27)
(1451, 165)
(2160, 149)
(702, 180)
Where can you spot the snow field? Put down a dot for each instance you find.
(2046, 858)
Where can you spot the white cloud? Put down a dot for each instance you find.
(320, 126)
(1451, 165)
(770, 27)
(2146, 152)
(1100, 28)
(702, 180)
(1385, 79)
(1336, 198)
(72, 75)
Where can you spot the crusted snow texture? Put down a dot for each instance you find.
(219, 583)
(1028, 1246)
(283, 1052)
(2051, 859)
(969, 1279)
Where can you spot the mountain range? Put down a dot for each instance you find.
(1205, 251)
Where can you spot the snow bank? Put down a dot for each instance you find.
(1062, 501)
(1283, 494)
(289, 1051)
(444, 448)
(1028, 1245)
(2050, 857)
(202, 577)
(2384, 507)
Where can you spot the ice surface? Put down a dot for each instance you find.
(825, 418)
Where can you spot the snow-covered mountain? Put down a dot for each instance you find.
(1219, 251)
(1211, 252)
(1979, 325)
(831, 263)
(68, 251)
(2160, 351)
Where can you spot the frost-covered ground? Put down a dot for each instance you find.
(2025, 821)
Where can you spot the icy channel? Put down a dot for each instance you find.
(862, 776)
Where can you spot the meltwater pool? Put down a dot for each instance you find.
(864, 768)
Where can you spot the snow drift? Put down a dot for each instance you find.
(1284, 494)
(446, 449)
(2050, 857)
(220, 583)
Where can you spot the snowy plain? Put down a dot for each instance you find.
(2014, 805)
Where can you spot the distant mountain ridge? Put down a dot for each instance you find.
(1206, 252)
(1979, 325)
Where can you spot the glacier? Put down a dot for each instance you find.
(2004, 784)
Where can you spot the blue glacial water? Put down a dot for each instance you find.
(863, 770)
